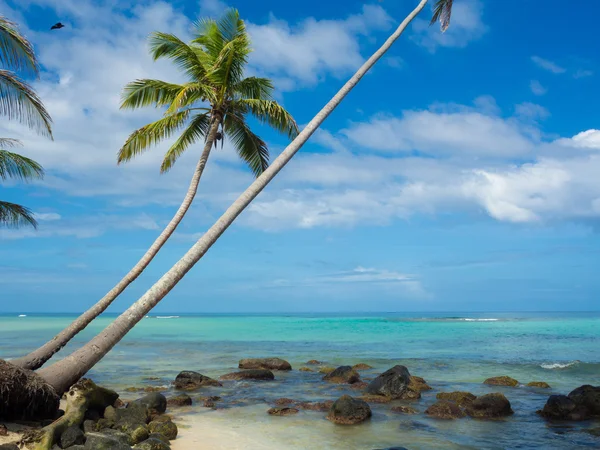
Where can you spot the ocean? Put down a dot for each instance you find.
(452, 351)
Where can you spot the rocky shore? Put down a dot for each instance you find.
(147, 422)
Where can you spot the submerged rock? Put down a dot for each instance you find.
(360, 385)
(418, 384)
(316, 406)
(561, 407)
(343, 375)
(349, 411)
(588, 397)
(179, 400)
(445, 410)
(189, 381)
(489, 406)
(369, 398)
(539, 384)
(461, 398)
(326, 369)
(313, 362)
(305, 369)
(501, 381)
(285, 411)
(404, 409)
(284, 401)
(254, 374)
(392, 383)
(265, 363)
(361, 366)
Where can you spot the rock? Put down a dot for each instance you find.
(255, 374)
(179, 400)
(72, 436)
(349, 411)
(489, 406)
(103, 423)
(392, 448)
(305, 369)
(359, 385)
(135, 412)
(265, 363)
(152, 444)
(9, 447)
(418, 384)
(461, 398)
(410, 394)
(208, 403)
(160, 437)
(89, 426)
(313, 362)
(316, 406)
(189, 381)
(154, 402)
(588, 397)
(285, 411)
(343, 375)
(539, 384)
(92, 414)
(561, 407)
(110, 413)
(404, 410)
(501, 381)
(361, 366)
(3, 430)
(445, 410)
(392, 383)
(326, 369)
(284, 401)
(375, 398)
(100, 441)
(167, 428)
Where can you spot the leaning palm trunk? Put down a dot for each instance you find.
(64, 373)
(38, 357)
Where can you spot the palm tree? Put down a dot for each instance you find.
(18, 102)
(211, 106)
(64, 373)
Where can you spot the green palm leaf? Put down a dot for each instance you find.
(16, 52)
(442, 11)
(140, 93)
(15, 216)
(19, 102)
(254, 87)
(13, 165)
(164, 45)
(251, 148)
(273, 114)
(195, 131)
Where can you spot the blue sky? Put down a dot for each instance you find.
(461, 174)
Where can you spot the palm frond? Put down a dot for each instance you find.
(251, 148)
(273, 114)
(442, 10)
(140, 93)
(10, 143)
(150, 135)
(195, 131)
(191, 94)
(254, 87)
(165, 45)
(19, 102)
(16, 52)
(13, 165)
(208, 37)
(15, 216)
(231, 26)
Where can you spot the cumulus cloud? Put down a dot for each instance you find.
(466, 26)
(548, 65)
(537, 88)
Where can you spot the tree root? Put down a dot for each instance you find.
(83, 395)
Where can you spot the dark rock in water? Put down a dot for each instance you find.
(501, 381)
(410, 394)
(285, 411)
(313, 362)
(375, 398)
(265, 363)
(25, 395)
(99, 441)
(167, 428)
(326, 369)
(284, 401)
(349, 411)
(489, 406)
(155, 403)
(404, 410)
(539, 384)
(255, 374)
(392, 448)
(3, 430)
(179, 400)
(189, 381)
(461, 398)
(587, 397)
(9, 447)
(418, 384)
(361, 385)
(392, 383)
(561, 407)
(343, 375)
(72, 436)
(208, 403)
(361, 366)
(152, 444)
(305, 369)
(445, 410)
(316, 406)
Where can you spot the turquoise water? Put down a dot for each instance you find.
(454, 351)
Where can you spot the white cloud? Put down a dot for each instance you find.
(537, 88)
(586, 139)
(583, 73)
(548, 65)
(47, 217)
(466, 26)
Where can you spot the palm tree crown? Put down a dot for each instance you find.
(216, 93)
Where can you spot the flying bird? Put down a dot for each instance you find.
(57, 26)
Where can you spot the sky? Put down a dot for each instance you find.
(461, 174)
